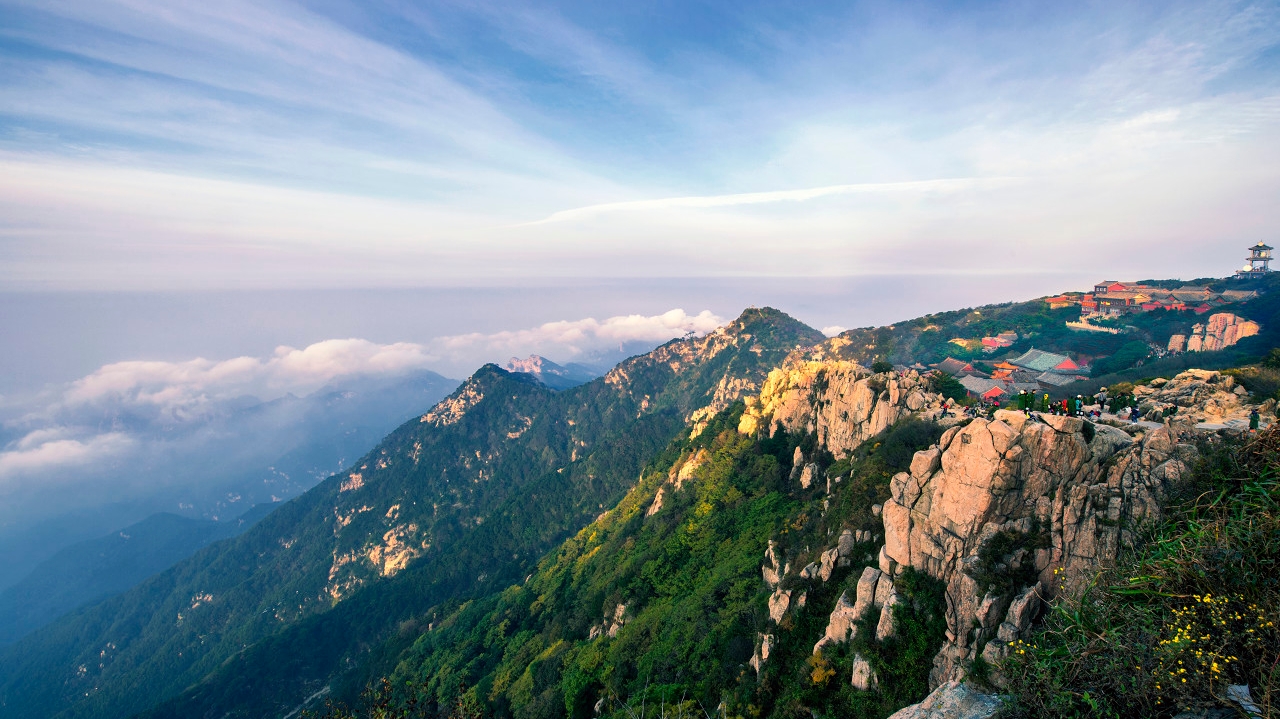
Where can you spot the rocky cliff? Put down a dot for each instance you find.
(1011, 511)
(1198, 397)
(1008, 512)
(841, 402)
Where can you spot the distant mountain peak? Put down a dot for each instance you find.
(551, 374)
(533, 364)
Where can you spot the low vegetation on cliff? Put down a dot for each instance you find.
(1193, 610)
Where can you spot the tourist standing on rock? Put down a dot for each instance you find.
(1079, 405)
(1254, 418)
(1101, 397)
(1044, 404)
(1133, 414)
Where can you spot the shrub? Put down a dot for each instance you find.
(1006, 561)
(1262, 382)
(1195, 609)
(881, 366)
(949, 387)
(902, 662)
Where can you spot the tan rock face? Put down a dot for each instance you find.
(779, 602)
(841, 624)
(1028, 476)
(990, 476)
(864, 677)
(840, 401)
(1198, 395)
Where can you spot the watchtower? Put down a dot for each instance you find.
(1259, 258)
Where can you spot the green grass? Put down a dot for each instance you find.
(1195, 609)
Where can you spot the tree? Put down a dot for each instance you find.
(1127, 356)
(949, 387)
(881, 366)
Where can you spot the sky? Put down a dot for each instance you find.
(180, 145)
(201, 201)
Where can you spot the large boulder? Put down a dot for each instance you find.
(953, 700)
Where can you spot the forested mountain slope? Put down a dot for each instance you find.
(661, 601)
(468, 496)
(91, 570)
(838, 545)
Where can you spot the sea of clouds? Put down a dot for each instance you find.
(112, 411)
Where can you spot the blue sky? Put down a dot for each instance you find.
(148, 145)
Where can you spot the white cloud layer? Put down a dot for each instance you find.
(179, 389)
(42, 449)
(137, 398)
(573, 337)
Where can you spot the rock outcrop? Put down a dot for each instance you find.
(1008, 513)
(1198, 396)
(953, 700)
(1063, 497)
(841, 402)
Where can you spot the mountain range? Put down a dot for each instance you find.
(465, 497)
(550, 545)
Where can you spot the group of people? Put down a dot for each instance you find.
(1028, 402)
(1123, 406)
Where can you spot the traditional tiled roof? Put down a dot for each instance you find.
(953, 366)
(1044, 361)
(1054, 379)
(981, 385)
(1239, 295)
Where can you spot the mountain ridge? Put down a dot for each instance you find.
(315, 554)
(512, 471)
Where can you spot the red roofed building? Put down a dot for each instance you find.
(1067, 365)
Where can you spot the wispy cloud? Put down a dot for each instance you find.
(184, 144)
(754, 198)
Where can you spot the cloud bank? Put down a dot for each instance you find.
(568, 339)
(123, 405)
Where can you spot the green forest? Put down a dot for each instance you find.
(683, 591)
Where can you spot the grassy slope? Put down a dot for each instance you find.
(1194, 609)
